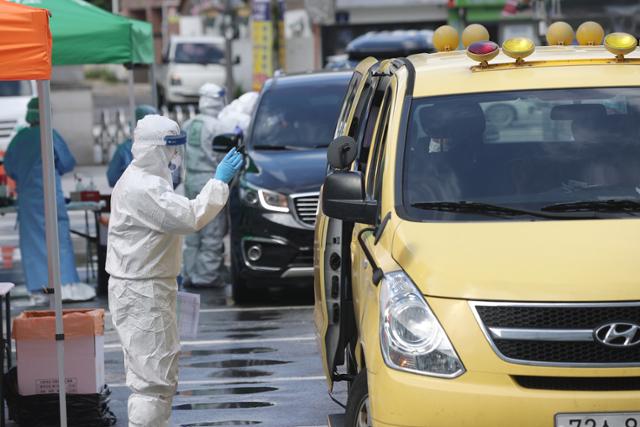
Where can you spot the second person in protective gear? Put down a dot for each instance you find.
(204, 250)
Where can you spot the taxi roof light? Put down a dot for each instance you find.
(518, 48)
(620, 44)
(560, 34)
(474, 33)
(483, 52)
(590, 34)
(446, 39)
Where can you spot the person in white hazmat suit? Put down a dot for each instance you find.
(236, 116)
(146, 228)
(204, 250)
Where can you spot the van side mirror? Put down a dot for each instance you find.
(236, 60)
(225, 142)
(343, 197)
(342, 152)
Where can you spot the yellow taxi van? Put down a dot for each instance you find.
(476, 271)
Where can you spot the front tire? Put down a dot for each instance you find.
(239, 289)
(358, 413)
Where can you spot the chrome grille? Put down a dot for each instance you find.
(556, 334)
(306, 208)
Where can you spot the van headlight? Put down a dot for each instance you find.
(411, 337)
(265, 199)
(175, 80)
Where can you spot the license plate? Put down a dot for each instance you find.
(627, 419)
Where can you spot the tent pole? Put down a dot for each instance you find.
(51, 228)
(152, 82)
(132, 101)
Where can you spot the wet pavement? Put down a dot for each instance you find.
(255, 365)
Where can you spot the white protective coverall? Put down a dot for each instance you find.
(237, 115)
(144, 255)
(204, 250)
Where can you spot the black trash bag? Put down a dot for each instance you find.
(43, 410)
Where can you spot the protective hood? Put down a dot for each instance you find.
(212, 99)
(33, 112)
(149, 148)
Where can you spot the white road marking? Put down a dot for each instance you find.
(241, 309)
(117, 346)
(223, 381)
(237, 309)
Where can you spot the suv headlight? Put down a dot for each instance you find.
(266, 199)
(411, 337)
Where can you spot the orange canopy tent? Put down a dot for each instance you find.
(25, 47)
(25, 54)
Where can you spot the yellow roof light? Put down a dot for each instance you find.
(620, 44)
(445, 38)
(474, 33)
(518, 48)
(590, 34)
(560, 34)
(483, 52)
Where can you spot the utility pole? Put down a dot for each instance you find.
(115, 6)
(165, 25)
(229, 30)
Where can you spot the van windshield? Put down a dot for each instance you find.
(551, 151)
(198, 53)
(15, 88)
(300, 116)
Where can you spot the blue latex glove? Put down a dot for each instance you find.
(229, 166)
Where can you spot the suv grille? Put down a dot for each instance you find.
(306, 208)
(556, 334)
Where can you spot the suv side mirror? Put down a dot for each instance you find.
(343, 197)
(342, 152)
(225, 142)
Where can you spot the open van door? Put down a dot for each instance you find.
(333, 312)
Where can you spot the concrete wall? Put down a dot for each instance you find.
(72, 111)
(300, 54)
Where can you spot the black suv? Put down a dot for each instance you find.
(274, 201)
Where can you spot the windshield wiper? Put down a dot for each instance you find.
(490, 210)
(270, 147)
(629, 206)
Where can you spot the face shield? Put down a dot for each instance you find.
(176, 146)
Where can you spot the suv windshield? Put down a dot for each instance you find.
(198, 53)
(567, 150)
(15, 88)
(298, 116)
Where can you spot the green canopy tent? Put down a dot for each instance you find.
(85, 34)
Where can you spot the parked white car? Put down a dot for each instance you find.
(188, 63)
(14, 97)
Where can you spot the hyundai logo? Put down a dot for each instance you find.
(619, 334)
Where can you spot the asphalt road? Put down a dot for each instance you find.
(255, 365)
